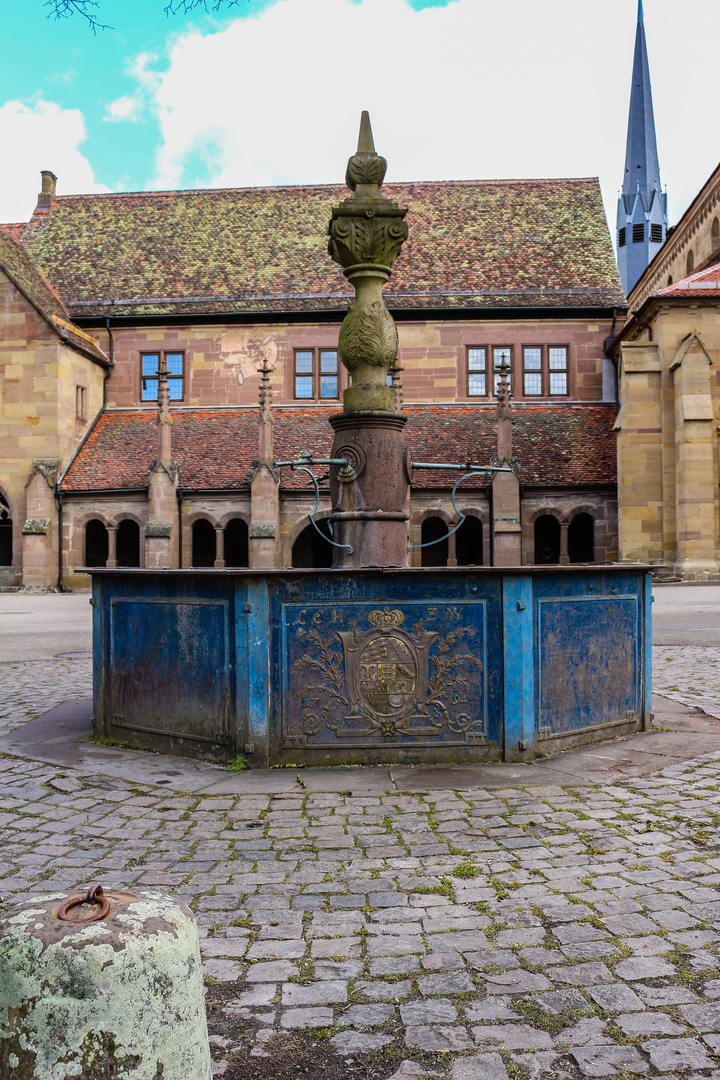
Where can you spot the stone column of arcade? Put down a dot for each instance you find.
(370, 494)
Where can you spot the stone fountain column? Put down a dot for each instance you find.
(370, 495)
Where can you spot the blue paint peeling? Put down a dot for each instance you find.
(324, 667)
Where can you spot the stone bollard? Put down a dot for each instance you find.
(103, 986)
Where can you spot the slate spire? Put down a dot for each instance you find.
(642, 205)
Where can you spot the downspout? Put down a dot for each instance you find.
(492, 524)
(179, 497)
(78, 448)
(58, 498)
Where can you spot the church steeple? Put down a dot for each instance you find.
(642, 205)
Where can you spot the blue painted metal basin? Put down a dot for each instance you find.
(336, 666)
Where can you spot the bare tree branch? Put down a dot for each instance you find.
(63, 9)
(87, 9)
(184, 7)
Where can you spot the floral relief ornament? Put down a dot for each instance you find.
(386, 681)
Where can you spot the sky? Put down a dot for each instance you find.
(270, 92)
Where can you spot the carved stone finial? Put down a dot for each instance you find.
(365, 169)
(504, 430)
(502, 392)
(164, 417)
(367, 232)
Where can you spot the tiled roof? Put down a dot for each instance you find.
(705, 282)
(566, 445)
(472, 244)
(22, 271)
(16, 229)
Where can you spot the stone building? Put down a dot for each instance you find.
(227, 293)
(668, 357)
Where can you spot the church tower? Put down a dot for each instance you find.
(642, 205)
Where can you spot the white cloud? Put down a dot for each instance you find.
(129, 107)
(41, 136)
(465, 91)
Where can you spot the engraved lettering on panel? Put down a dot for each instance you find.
(388, 681)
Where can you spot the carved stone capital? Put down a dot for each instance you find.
(169, 467)
(262, 530)
(48, 468)
(366, 231)
(162, 529)
(256, 466)
(36, 527)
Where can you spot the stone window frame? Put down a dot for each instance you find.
(476, 371)
(173, 379)
(558, 371)
(315, 374)
(541, 371)
(81, 396)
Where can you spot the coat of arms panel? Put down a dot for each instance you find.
(369, 674)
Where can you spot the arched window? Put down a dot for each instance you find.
(469, 542)
(6, 535)
(310, 551)
(96, 543)
(547, 539)
(670, 281)
(432, 529)
(128, 543)
(236, 543)
(690, 263)
(581, 539)
(203, 543)
(715, 235)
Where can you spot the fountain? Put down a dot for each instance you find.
(371, 661)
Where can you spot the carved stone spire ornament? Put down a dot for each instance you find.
(370, 494)
(366, 234)
(504, 431)
(164, 416)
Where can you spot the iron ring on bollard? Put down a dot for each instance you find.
(95, 895)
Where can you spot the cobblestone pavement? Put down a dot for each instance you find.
(689, 674)
(33, 687)
(550, 932)
(534, 933)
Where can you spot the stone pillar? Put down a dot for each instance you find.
(112, 562)
(696, 476)
(506, 524)
(564, 556)
(369, 494)
(103, 987)
(264, 534)
(40, 538)
(162, 532)
(163, 526)
(640, 455)
(219, 547)
(452, 549)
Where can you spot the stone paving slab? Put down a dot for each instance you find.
(62, 737)
(411, 922)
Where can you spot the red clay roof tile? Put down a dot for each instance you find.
(565, 445)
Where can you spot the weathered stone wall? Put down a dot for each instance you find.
(668, 441)
(38, 379)
(220, 362)
(693, 233)
(566, 505)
